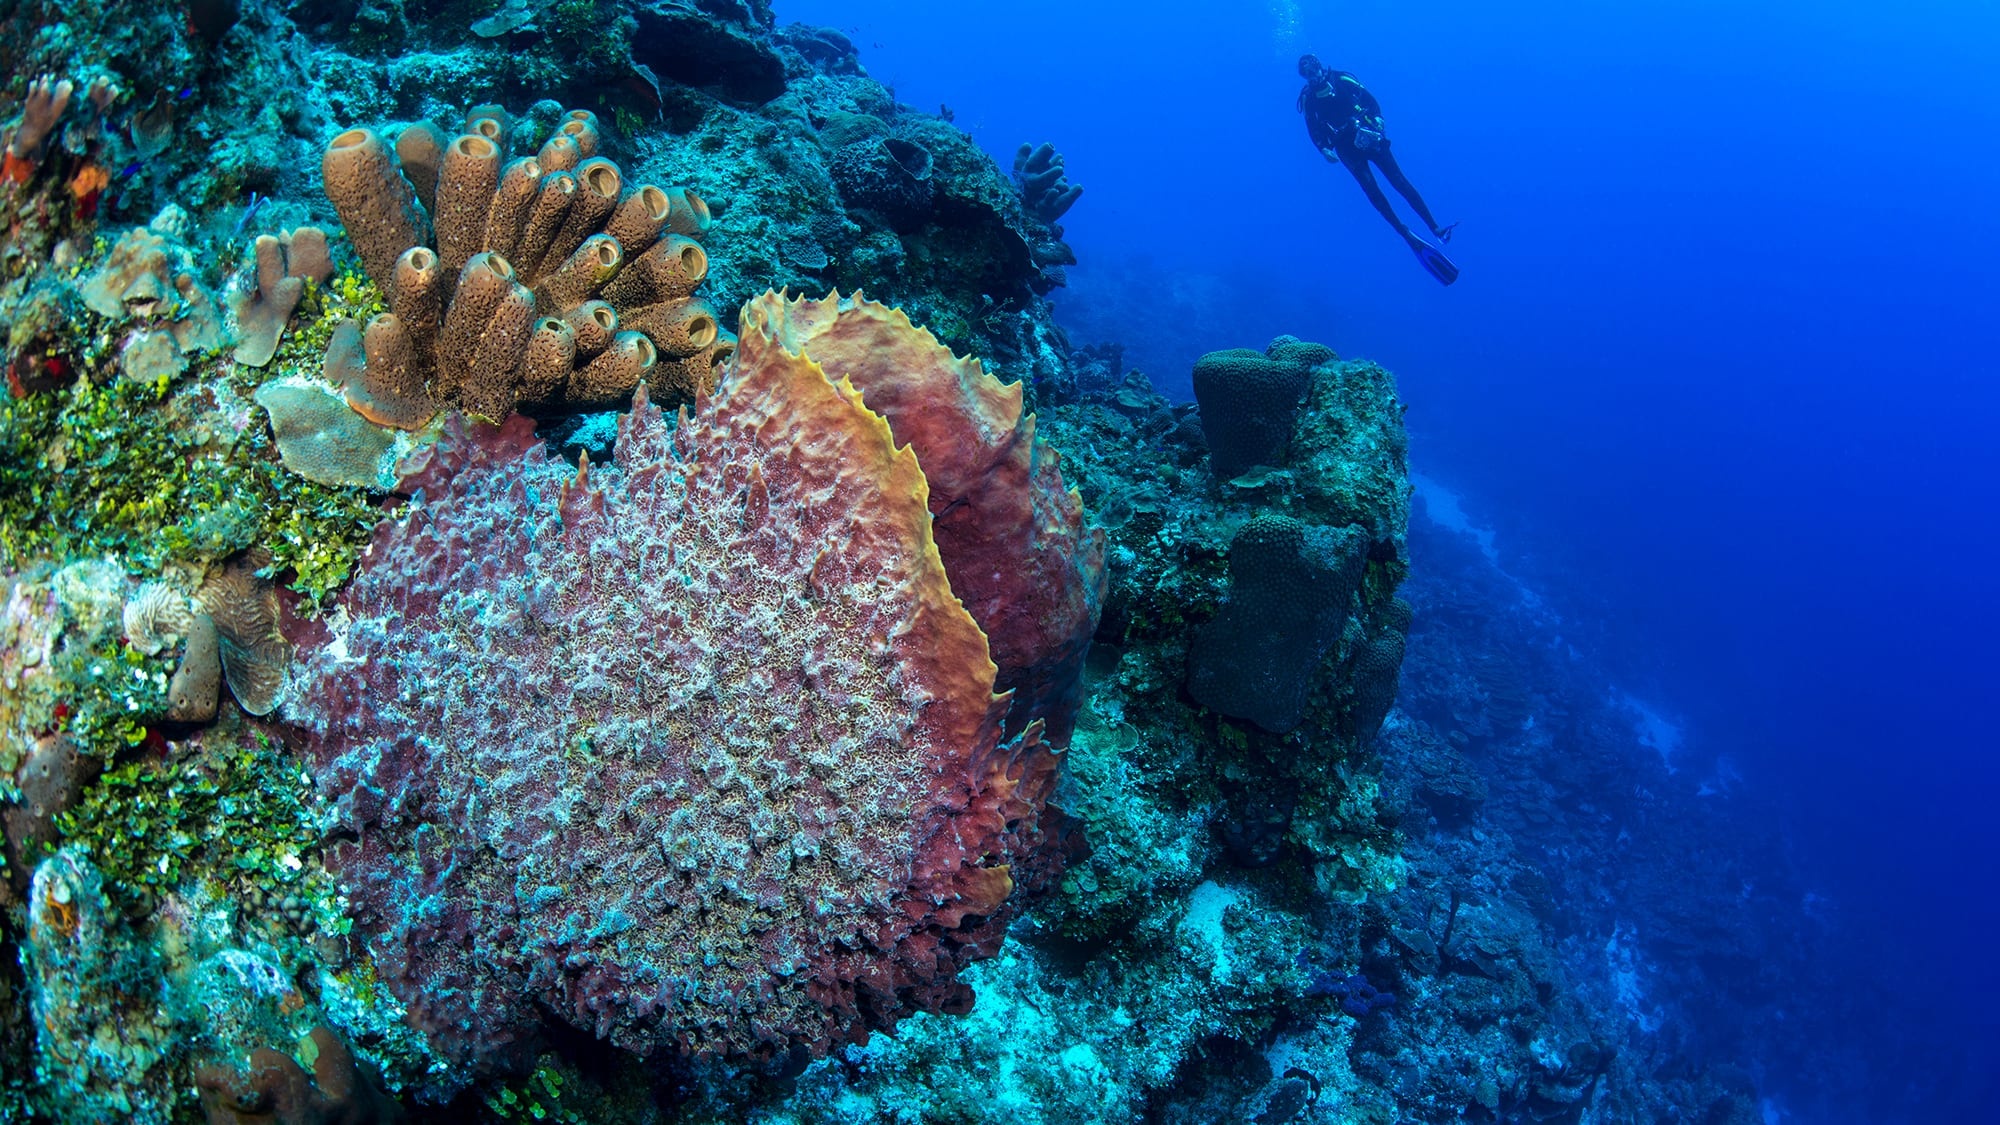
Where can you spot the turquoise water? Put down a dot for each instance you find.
(1718, 371)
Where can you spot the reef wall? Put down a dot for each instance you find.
(397, 702)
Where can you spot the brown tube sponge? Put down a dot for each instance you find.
(593, 323)
(464, 199)
(560, 153)
(264, 309)
(489, 387)
(389, 390)
(551, 356)
(486, 281)
(535, 263)
(638, 221)
(417, 295)
(690, 214)
(489, 121)
(579, 277)
(507, 216)
(581, 126)
(598, 186)
(307, 256)
(545, 218)
(679, 328)
(610, 379)
(691, 378)
(672, 268)
(420, 150)
(376, 204)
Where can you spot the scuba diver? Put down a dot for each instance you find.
(1345, 123)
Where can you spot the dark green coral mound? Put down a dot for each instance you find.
(1249, 401)
(1291, 590)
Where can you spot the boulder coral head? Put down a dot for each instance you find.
(696, 750)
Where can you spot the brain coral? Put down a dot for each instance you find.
(695, 751)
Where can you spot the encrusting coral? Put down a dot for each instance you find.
(550, 285)
(231, 626)
(149, 281)
(749, 795)
(275, 1090)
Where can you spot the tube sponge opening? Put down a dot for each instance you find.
(376, 204)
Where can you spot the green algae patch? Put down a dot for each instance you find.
(241, 814)
(115, 691)
(156, 479)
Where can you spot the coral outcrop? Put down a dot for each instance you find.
(1292, 588)
(552, 285)
(148, 286)
(275, 1090)
(749, 794)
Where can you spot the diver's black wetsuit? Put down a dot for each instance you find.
(1345, 123)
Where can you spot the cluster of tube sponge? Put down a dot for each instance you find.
(550, 285)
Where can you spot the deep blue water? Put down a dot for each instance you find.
(1721, 368)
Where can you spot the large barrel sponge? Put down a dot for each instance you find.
(1291, 587)
(698, 751)
(1249, 401)
(1011, 532)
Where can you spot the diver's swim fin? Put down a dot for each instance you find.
(1433, 259)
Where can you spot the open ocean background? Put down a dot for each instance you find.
(1719, 376)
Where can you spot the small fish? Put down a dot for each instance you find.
(249, 212)
(131, 169)
(186, 93)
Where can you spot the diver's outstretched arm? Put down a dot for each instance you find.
(1407, 190)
